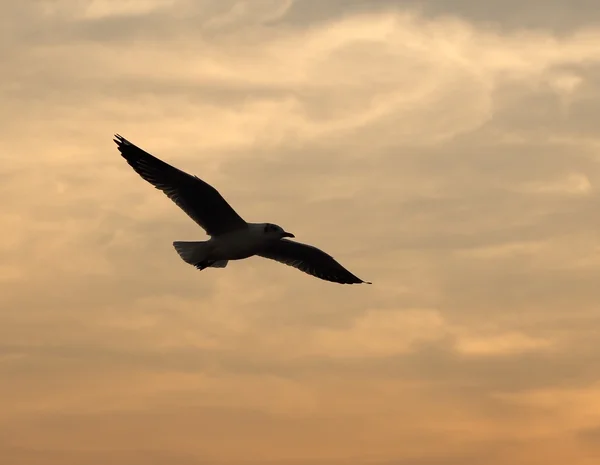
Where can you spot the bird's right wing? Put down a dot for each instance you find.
(310, 260)
(199, 200)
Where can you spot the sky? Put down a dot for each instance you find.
(446, 150)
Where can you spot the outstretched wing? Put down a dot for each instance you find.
(310, 260)
(199, 200)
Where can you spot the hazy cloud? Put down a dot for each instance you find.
(447, 151)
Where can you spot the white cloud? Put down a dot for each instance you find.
(95, 9)
(380, 333)
(572, 184)
(508, 343)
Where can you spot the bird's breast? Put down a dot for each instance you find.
(237, 245)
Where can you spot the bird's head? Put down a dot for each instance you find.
(275, 231)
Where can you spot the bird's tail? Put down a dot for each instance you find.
(196, 254)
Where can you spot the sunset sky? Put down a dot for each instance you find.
(447, 150)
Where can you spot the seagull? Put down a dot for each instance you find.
(231, 238)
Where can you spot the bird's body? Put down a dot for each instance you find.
(241, 243)
(231, 238)
(234, 245)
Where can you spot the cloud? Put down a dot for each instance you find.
(381, 333)
(554, 15)
(504, 344)
(452, 163)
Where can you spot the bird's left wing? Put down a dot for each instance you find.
(310, 260)
(199, 200)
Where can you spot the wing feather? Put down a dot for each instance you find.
(199, 200)
(310, 260)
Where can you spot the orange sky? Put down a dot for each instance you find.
(445, 151)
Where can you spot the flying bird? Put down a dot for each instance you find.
(231, 238)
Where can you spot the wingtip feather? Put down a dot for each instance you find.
(120, 140)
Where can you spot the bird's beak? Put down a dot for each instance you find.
(287, 234)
